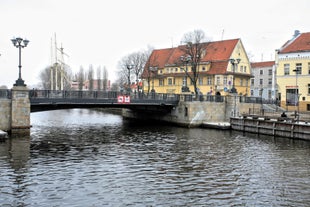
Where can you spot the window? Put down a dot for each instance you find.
(261, 81)
(170, 81)
(309, 68)
(209, 81)
(252, 81)
(269, 94)
(176, 69)
(269, 81)
(261, 72)
(298, 69)
(200, 81)
(184, 81)
(225, 80)
(161, 82)
(241, 82)
(286, 69)
(203, 68)
(241, 68)
(308, 88)
(218, 81)
(244, 68)
(252, 93)
(308, 107)
(270, 72)
(291, 97)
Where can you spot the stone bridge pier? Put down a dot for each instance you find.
(15, 112)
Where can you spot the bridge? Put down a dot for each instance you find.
(17, 104)
(44, 100)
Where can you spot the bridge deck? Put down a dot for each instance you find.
(43, 100)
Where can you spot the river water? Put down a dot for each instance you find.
(90, 158)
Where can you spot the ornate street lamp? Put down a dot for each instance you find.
(185, 60)
(20, 43)
(129, 67)
(234, 63)
(153, 70)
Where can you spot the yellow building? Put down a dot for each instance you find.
(293, 73)
(224, 64)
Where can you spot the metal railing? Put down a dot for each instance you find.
(59, 94)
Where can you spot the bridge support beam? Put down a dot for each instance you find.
(20, 111)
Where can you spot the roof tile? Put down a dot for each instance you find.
(300, 44)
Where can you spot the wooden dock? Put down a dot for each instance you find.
(275, 126)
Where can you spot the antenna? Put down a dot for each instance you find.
(222, 34)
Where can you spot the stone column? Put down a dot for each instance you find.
(20, 122)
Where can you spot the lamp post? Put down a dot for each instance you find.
(261, 100)
(20, 43)
(129, 67)
(153, 69)
(297, 71)
(185, 60)
(234, 63)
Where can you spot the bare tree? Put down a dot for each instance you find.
(45, 78)
(99, 83)
(90, 77)
(81, 78)
(124, 73)
(151, 67)
(105, 78)
(194, 50)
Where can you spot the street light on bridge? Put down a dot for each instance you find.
(129, 67)
(20, 43)
(185, 59)
(234, 63)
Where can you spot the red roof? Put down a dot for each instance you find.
(300, 44)
(262, 64)
(217, 53)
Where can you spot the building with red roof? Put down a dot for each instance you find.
(293, 73)
(165, 73)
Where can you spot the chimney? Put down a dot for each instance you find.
(296, 33)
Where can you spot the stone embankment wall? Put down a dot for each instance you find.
(195, 113)
(5, 114)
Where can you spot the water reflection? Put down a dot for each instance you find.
(89, 158)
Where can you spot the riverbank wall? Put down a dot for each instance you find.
(195, 113)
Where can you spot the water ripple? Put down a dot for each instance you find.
(83, 158)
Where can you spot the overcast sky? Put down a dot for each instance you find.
(101, 32)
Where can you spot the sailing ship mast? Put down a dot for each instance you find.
(57, 66)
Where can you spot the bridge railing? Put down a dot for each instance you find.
(60, 94)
